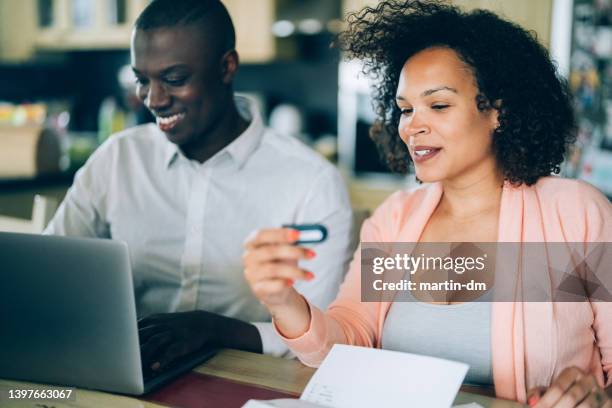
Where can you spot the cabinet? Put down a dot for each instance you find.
(61, 25)
(349, 6)
(64, 25)
(17, 30)
(253, 24)
(85, 24)
(530, 14)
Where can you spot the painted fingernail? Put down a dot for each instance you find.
(533, 400)
(310, 253)
(289, 282)
(294, 235)
(309, 276)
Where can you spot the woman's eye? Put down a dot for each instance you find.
(439, 106)
(406, 111)
(140, 81)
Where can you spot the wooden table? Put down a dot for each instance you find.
(232, 368)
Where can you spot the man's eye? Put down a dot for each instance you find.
(439, 106)
(176, 81)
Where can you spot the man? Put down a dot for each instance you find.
(186, 192)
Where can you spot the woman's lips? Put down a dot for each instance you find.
(424, 153)
(167, 123)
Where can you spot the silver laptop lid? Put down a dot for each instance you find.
(67, 313)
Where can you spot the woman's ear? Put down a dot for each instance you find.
(496, 105)
(229, 66)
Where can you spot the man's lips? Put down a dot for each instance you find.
(168, 122)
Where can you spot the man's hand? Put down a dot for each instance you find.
(571, 389)
(165, 338)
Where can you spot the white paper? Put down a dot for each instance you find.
(295, 403)
(280, 403)
(359, 377)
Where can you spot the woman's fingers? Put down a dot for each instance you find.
(596, 399)
(272, 283)
(271, 253)
(271, 264)
(271, 236)
(577, 392)
(273, 292)
(572, 388)
(276, 270)
(270, 287)
(534, 395)
(559, 387)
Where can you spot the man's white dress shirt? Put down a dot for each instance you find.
(185, 222)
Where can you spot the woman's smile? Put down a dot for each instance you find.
(422, 154)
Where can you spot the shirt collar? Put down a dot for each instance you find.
(244, 145)
(240, 148)
(172, 152)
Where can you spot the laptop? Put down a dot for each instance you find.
(68, 316)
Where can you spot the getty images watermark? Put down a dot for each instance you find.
(477, 271)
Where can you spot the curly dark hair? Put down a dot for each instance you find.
(537, 123)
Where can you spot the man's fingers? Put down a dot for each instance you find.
(145, 332)
(172, 353)
(150, 351)
(272, 236)
(155, 319)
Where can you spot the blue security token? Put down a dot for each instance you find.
(309, 233)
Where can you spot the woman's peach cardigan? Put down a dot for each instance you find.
(532, 342)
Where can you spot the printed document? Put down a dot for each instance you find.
(359, 377)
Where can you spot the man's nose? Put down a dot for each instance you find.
(157, 97)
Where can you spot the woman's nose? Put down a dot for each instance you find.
(413, 126)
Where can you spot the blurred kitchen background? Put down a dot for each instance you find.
(65, 85)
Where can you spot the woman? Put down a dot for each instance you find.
(474, 103)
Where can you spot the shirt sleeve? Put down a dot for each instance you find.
(271, 343)
(81, 213)
(327, 203)
(598, 233)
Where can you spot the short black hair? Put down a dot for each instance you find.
(209, 15)
(537, 123)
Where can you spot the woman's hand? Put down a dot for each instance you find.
(271, 267)
(571, 389)
(271, 264)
